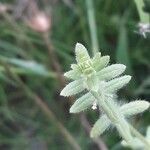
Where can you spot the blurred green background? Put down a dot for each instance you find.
(37, 40)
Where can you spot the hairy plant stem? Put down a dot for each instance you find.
(140, 136)
(113, 114)
(124, 128)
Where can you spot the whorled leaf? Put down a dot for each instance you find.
(101, 62)
(75, 67)
(82, 103)
(73, 88)
(111, 72)
(96, 57)
(74, 74)
(92, 83)
(134, 107)
(81, 53)
(117, 83)
(100, 126)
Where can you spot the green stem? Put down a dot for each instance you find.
(114, 115)
(140, 136)
(124, 128)
(92, 25)
(144, 17)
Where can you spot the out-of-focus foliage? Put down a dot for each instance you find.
(24, 57)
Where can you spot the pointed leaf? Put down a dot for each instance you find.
(81, 53)
(72, 74)
(100, 126)
(135, 107)
(100, 62)
(111, 71)
(73, 88)
(96, 60)
(82, 103)
(75, 66)
(116, 84)
(96, 56)
(75, 73)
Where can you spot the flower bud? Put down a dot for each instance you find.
(40, 22)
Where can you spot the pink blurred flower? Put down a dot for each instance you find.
(40, 22)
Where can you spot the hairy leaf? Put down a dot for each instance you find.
(135, 107)
(72, 74)
(97, 57)
(100, 63)
(81, 53)
(111, 71)
(100, 126)
(116, 84)
(82, 103)
(73, 88)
